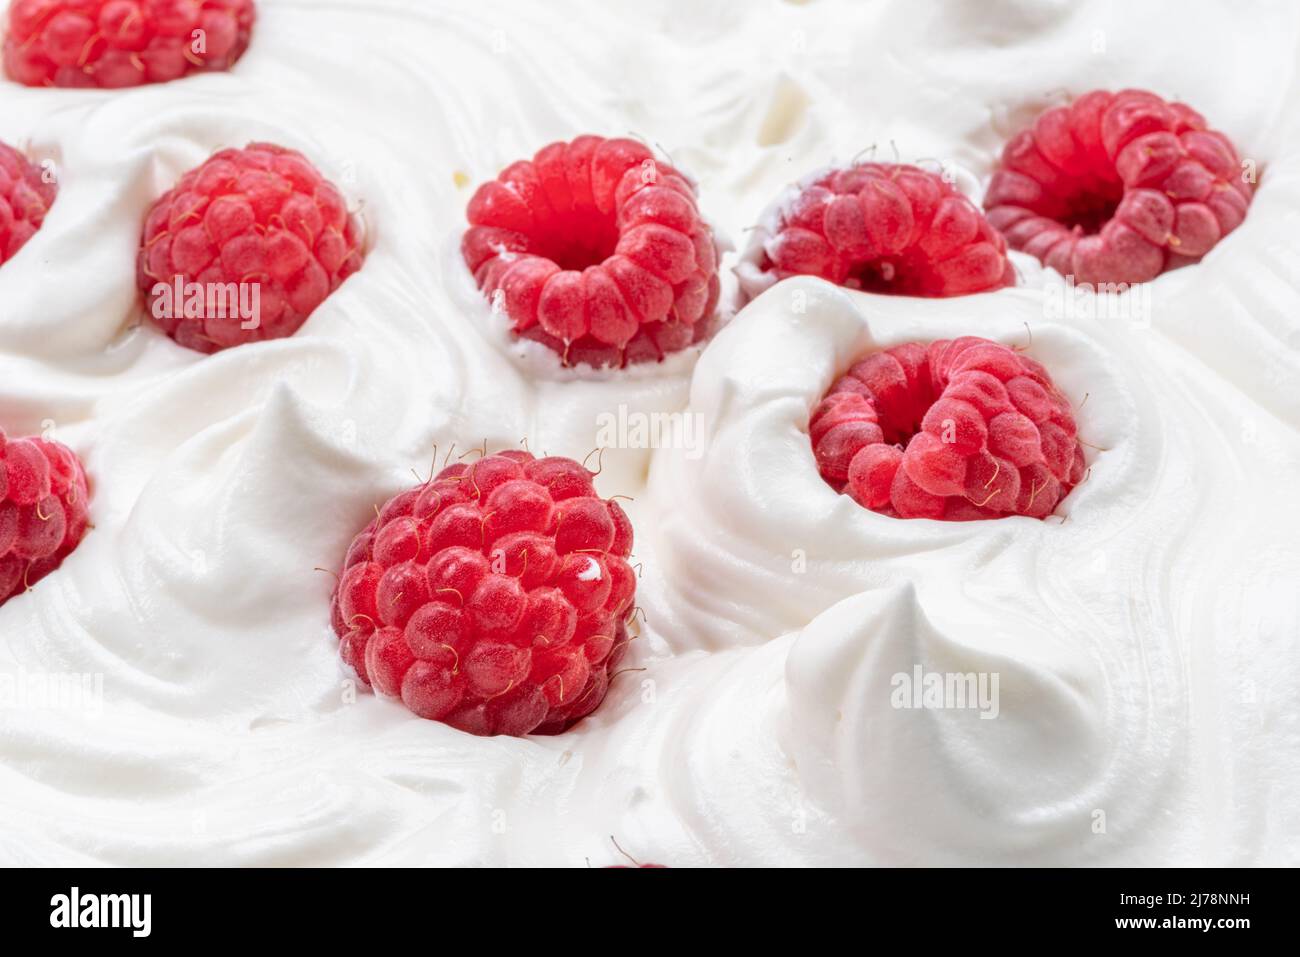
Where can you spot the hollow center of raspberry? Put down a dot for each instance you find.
(900, 411)
(1091, 209)
(897, 275)
(578, 240)
(876, 275)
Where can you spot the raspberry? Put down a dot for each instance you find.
(596, 250)
(117, 43)
(880, 227)
(25, 198)
(244, 248)
(1118, 187)
(493, 598)
(43, 510)
(956, 429)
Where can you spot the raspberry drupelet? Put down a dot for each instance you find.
(253, 227)
(955, 429)
(596, 250)
(25, 198)
(121, 43)
(494, 597)
(44, 510)
(884, 228)
(1118, 187)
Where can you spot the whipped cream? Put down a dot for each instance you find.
(1144, 639)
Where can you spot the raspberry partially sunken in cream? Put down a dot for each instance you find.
(122, 43)
(1118, 187)
(597, 250)
(878, 227)
(955, 429)
(44, 510)
(244, 248)
(494, 597)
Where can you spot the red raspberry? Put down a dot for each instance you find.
(117, 43)
(25, 198)
(1118, 187)
(43, 510)
(978, 429)
(886, 228)
(596, 250)
(259, 221)
(493, 598)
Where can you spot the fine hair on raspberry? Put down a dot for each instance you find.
(953, 430)
(494, 597)
(1118, 187)
(597, 250)
(44, 510)
(122, 43)
(883, 228)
